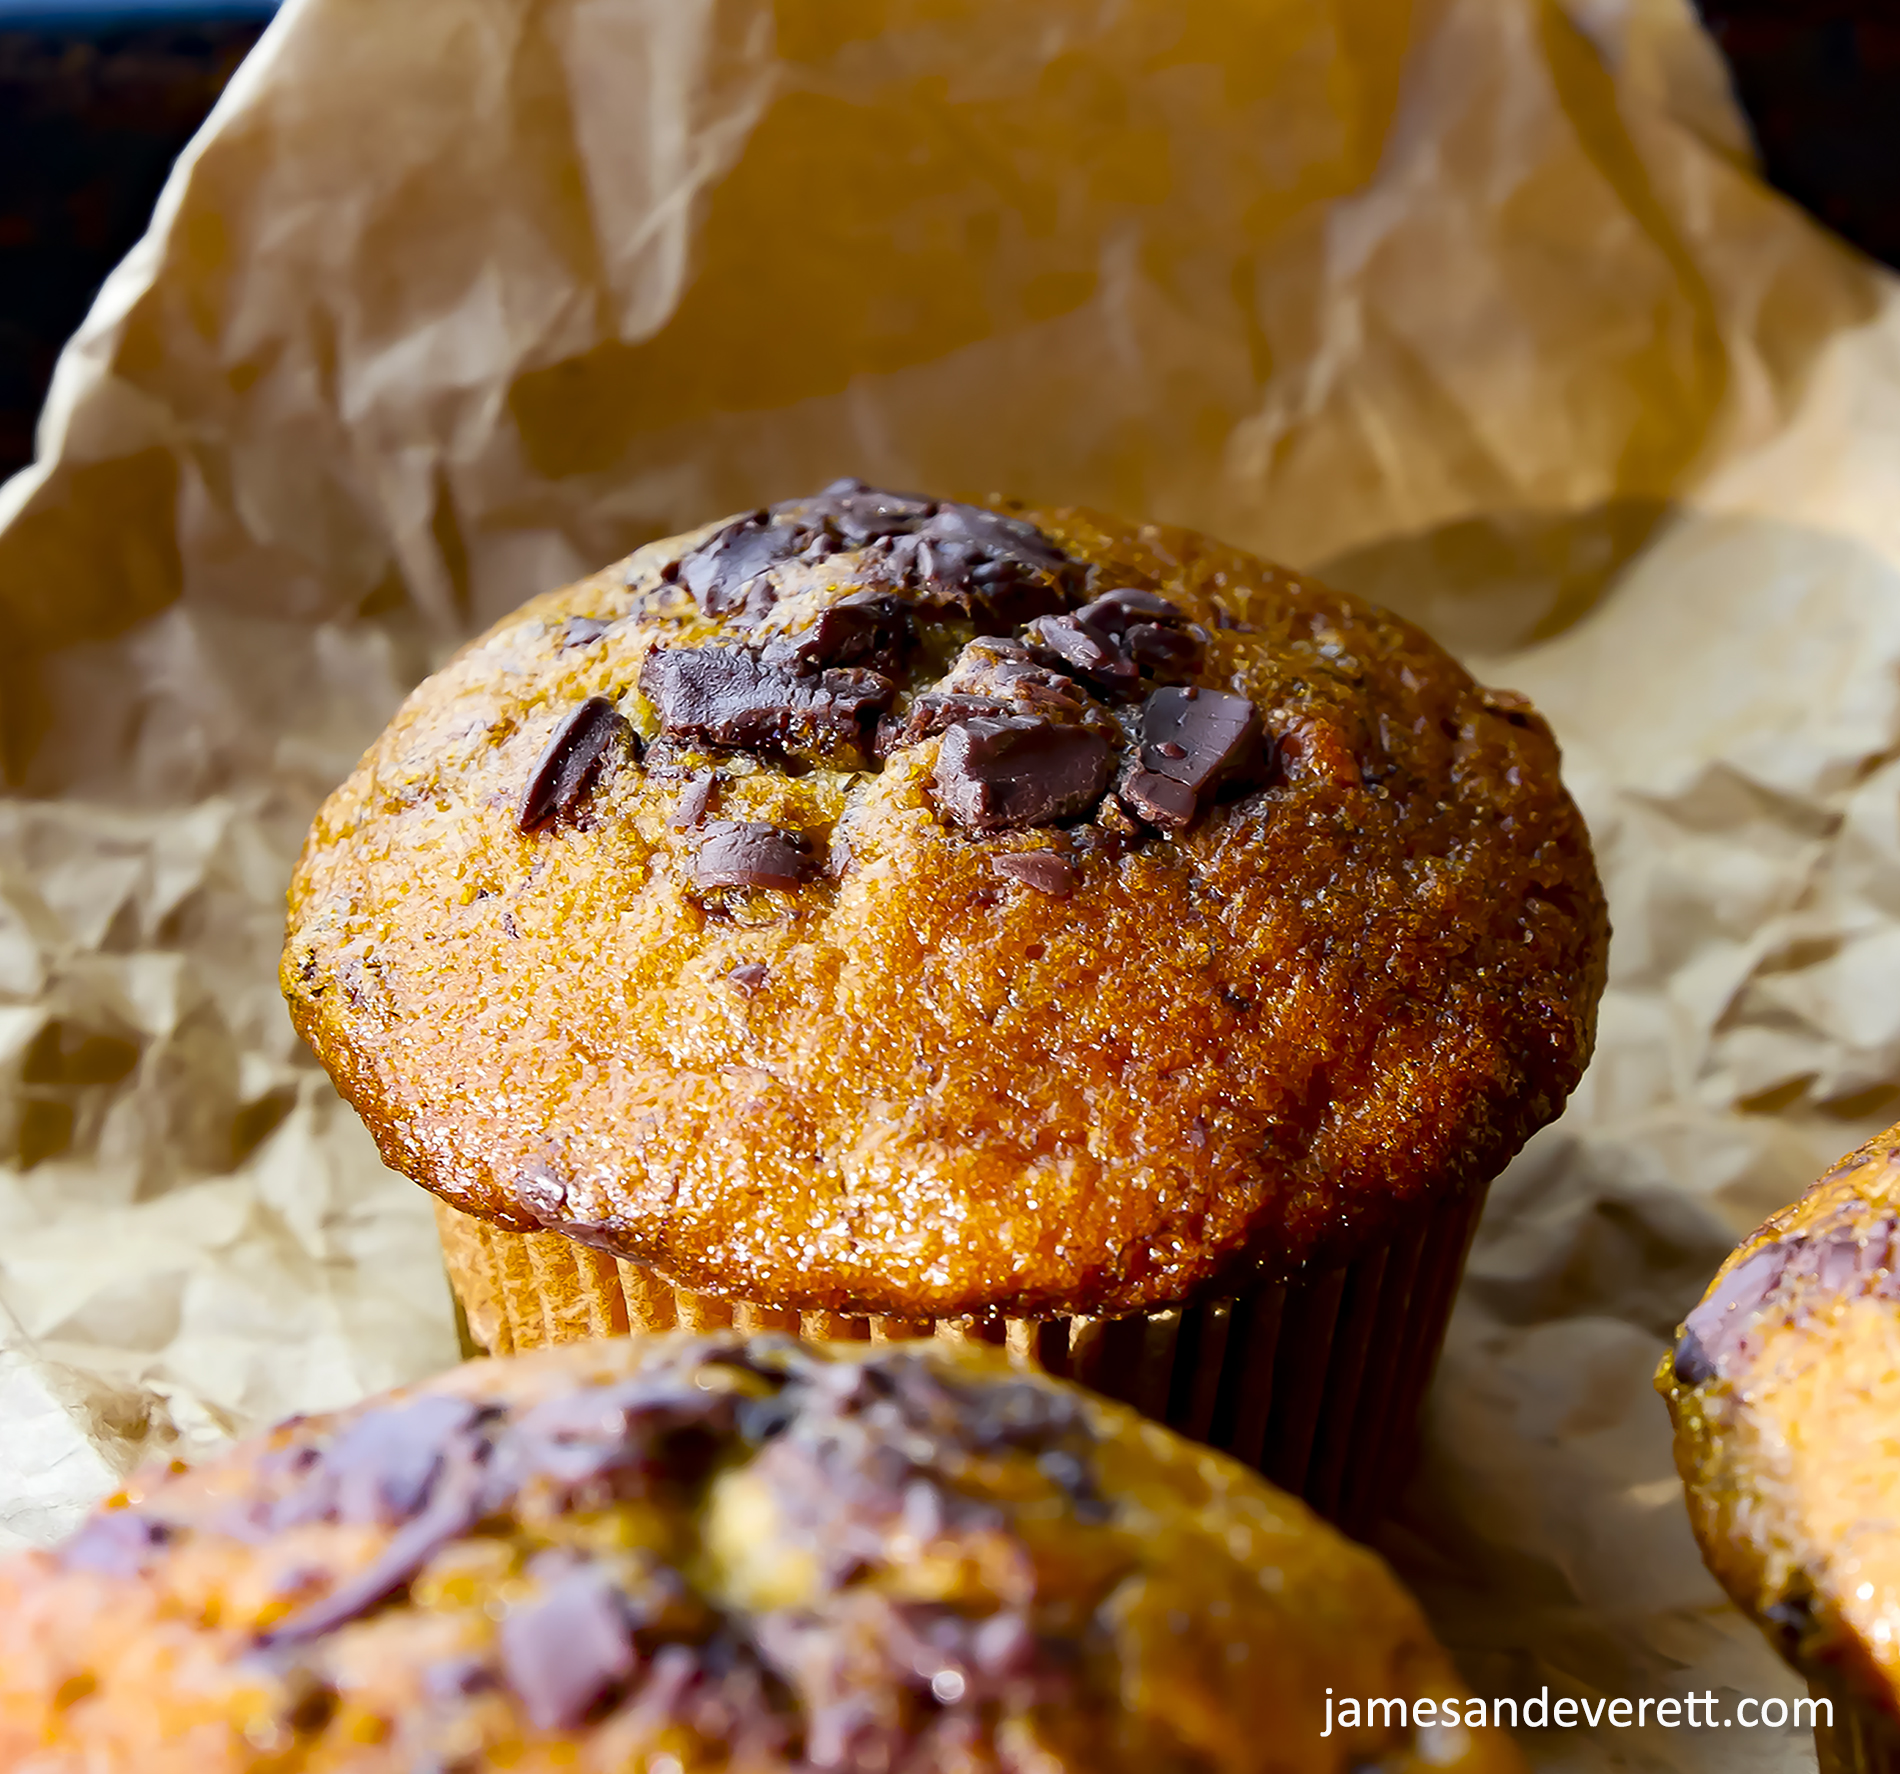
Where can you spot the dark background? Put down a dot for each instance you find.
(90, 122)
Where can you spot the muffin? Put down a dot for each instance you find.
(1784, 1387)
(876, 914)
(685, 1553)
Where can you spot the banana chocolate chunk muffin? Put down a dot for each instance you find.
(696, 1554)
(883, 908)
(1784, 1387)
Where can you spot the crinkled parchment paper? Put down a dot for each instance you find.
(1475, 306)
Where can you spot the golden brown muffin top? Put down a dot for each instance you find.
(897, 907)
(1785, 1391)
(755, 1556)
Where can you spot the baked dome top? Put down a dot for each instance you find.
(1784, 1386)
(890, 906)
(711, 1554)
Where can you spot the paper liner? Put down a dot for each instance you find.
(1315, 1382)
(1860, 1741)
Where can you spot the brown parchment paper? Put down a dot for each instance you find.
(1474, 305)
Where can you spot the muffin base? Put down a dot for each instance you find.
(1860, 1741)
(1316, 1382)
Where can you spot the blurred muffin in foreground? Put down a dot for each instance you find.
(1784, 1387)
(712, 1553)
(877, 913)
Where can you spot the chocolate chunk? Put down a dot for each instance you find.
(1120, 636)
(992, 666)
(695, 801)
(871, 629)
(570, 762)
(610, 1435)
(1091, 652)
(565, 1653)
(863, 513)
(1012, 771)
(385, 1464)
(380, 1469)
(1717, 1330)
(1847, 1259)
(929, 715)
(744, 853)
(1159, 799)
(1191, 740)
(724, 573)
(951, 556)
(456, 1678)
(954, 557)
(733, 696)
(1115, 612)
(961, 563)
(460, 1496)
(118, 1543)
(748, 976)
(1043, 870)
(582, 631)
(1163, 652)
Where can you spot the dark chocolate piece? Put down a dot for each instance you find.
(745, 853)
(1118, 637)
(952, 556)
(380, 1469)
(570, 762)
(1163, 652)
(931, 714)
(566, 1652)
(862, 513)
(995, 774)
(1117, 611)
(1154, 631)
(1090, 652)
(619, 1434)
(1043, 870)
(1717, 1329)
(456, 1678)
(1191, 740)
(695, 800)
(1847, 1259)
(384, 1465)
(118, 1543)
(748, 976)
(582, 631)
(993, 666)
(460, 1496)
(871, 629)
(721, 572)
(733, 696)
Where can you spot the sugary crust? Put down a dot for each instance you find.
(1104, 1597)
(1785, 1393)
(1232, 1050)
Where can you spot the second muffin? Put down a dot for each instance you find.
(883, 909)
